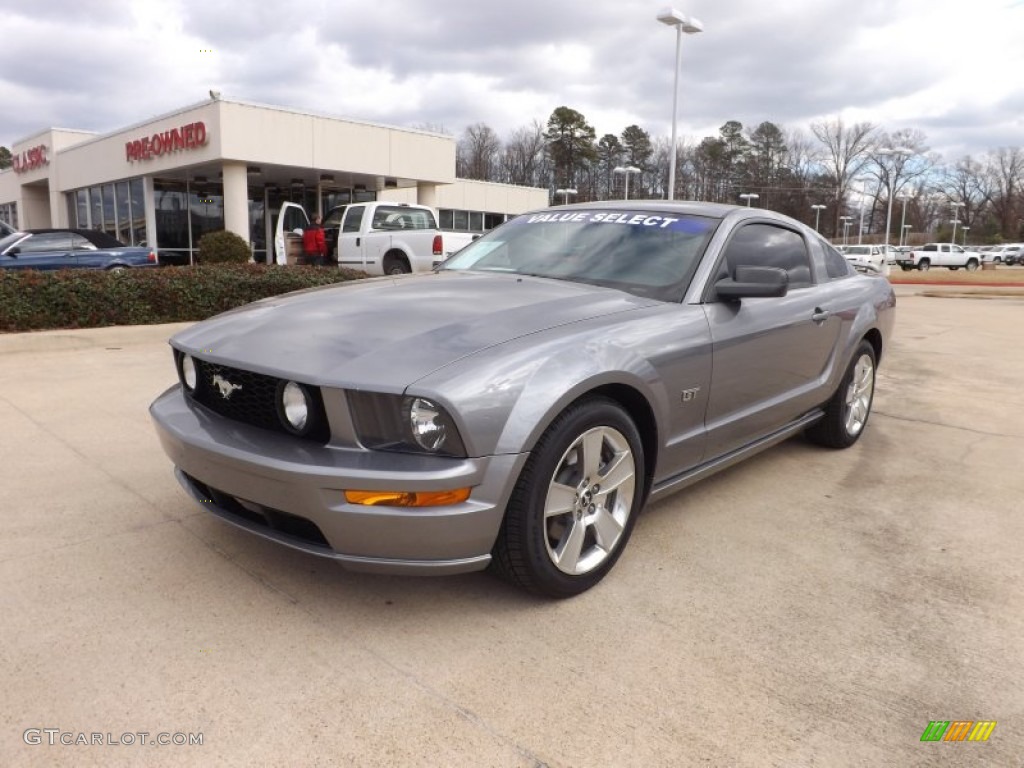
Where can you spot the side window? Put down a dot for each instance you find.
(354, 218)
(79, 243)
(47, 241)
(835, 265)
(767, 245)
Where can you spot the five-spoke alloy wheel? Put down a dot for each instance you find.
(574, 506)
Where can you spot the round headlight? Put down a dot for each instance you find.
(188, 372)
(428, 428)
(295, 406)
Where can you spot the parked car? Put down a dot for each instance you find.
(1003, 254)
(931, 255)
(519, 405)
(871, 257)
(71, 248)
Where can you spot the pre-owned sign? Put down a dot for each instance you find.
(190, 136)
(30, 159)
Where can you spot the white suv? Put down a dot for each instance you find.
(872, 257)
(1003, 254)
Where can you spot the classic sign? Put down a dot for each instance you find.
(30, 159)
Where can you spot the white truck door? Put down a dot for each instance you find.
(291, 221)
(350, 238)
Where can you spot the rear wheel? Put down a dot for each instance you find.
(846, 414)
(396, 264)
(575, 503)
(924, 265)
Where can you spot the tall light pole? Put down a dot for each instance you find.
(892, 152)
(956, 220)
(626, 170)
(690, 26)
(847, 222)
(905, 234)
(964, 230)
(903, 221)
(863, 194)
(748, 196)
(817, 208)
(565, 194)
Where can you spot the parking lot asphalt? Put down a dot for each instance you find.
(806, 608)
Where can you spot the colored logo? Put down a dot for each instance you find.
(958, 730)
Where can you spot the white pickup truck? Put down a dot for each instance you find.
(378, 238)
(939, 255)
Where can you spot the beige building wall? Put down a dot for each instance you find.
(470, 195)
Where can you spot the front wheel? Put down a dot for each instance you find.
(575, 503)
(846, 413)
(972, 266)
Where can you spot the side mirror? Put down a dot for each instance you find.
(753, 282)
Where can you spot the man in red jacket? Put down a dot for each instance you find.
(313, 244)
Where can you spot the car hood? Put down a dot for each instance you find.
(386, 333)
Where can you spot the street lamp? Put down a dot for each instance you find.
(863, 195)
(626, 170)
(892, 152)
(956, 220)
(690, 26)
(748, 196)
(903, 221)
(964, 230)
(817, 208)
(565, 194)
(905, 234)
(847, 222)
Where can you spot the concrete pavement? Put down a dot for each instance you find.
(805, 608)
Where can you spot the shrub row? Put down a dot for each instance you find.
(31, 300)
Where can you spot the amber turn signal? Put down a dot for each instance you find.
(407, 498)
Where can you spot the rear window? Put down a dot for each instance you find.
(397, 217)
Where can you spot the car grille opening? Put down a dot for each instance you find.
(282, 523)
(252, 398)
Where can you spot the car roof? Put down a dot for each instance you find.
(94, 236)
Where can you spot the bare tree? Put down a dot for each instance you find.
(524, 161)
(845, 152)
(478, 153)
(1005, 179)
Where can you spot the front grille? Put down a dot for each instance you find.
(283, 523)
(252, 398)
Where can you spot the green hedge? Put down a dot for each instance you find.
(31, 301)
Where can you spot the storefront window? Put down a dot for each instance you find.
(82, 208)
(124, 213)
(206, 206)
(138, 209)
(109, 220)
(96, 208)
(9, 214)
(257, 224)
(170, 199)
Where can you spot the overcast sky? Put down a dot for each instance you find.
(950, 68)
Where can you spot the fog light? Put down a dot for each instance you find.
(407, 498)
(188, 372)
(295, 406)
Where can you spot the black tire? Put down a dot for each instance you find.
(839, 428)
(924, 265)
(535, 549)
(972, 265)
(396, 264)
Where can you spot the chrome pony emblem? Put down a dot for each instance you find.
(226, 387)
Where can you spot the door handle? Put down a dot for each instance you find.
(357, 241)
(820, 315)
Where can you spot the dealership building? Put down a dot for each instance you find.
(225, 164)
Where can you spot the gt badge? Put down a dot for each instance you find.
(688, 394)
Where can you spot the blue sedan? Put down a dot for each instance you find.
(71, 248)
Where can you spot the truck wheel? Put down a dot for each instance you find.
(924, 265)
(575, 503)
(396, 264)
(846, 413)
(972, 265)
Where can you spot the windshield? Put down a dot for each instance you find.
(650, 254)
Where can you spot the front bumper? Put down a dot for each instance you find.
(293, 492)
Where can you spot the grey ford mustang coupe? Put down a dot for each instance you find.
(518, 406)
